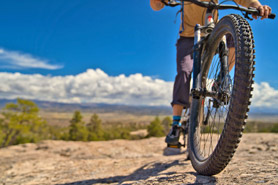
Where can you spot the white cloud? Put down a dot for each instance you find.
(14, 59)
(95, 86)
(265, 96)
(92, 86)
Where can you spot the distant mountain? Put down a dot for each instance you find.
(96, 107)
(264, 111)
(140, 110)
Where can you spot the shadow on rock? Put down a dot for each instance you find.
(149, 170)
(175, 151)
(201, 179)
(183, 178)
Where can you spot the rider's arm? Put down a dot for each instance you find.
(156, 4)
(246, 3)
(264, 9)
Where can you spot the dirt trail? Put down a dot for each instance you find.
(132, 162)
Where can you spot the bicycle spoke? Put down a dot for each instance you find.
(218, 114)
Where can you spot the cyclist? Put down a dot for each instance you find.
(192, 15)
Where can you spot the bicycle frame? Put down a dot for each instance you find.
(199, 44)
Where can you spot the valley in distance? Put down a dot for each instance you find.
(60, 113)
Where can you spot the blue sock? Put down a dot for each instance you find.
(176, 120)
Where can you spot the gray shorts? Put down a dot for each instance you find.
(184, 69)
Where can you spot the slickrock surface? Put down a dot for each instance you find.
(132, 162)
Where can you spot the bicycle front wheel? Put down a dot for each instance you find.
(217, 122)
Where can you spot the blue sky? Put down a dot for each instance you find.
(116, 36)
(63, 38)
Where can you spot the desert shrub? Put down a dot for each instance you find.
(155, 129)
(131, 126)
(20, 123)
(249, 128)
(166, 123)
(274, 128)
(58, 133)
(261, 127)
(1, 132)
(116, 133)
(77, 130)
(94, 127)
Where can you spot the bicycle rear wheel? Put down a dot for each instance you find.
(216, 124)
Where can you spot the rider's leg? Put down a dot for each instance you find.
(181, 86)
(231, 54)
(177, 109)
(231, 58)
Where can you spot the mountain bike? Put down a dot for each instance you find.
(223, 72)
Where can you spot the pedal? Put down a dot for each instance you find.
(179, 145)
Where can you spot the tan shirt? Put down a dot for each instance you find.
(194, 14)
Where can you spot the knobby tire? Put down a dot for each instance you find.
(238, 105)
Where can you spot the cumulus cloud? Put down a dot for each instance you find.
(92, 86)
(265, 96)
(14, 59)
(95, 86)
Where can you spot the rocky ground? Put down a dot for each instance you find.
(132, 162)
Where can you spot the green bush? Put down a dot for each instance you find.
(94, 127)
(2, 135)
(21, 123)
(261, 127)
(155, 129)
(58, 133)
(166, 122)
(77, 130)
(274, 128)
